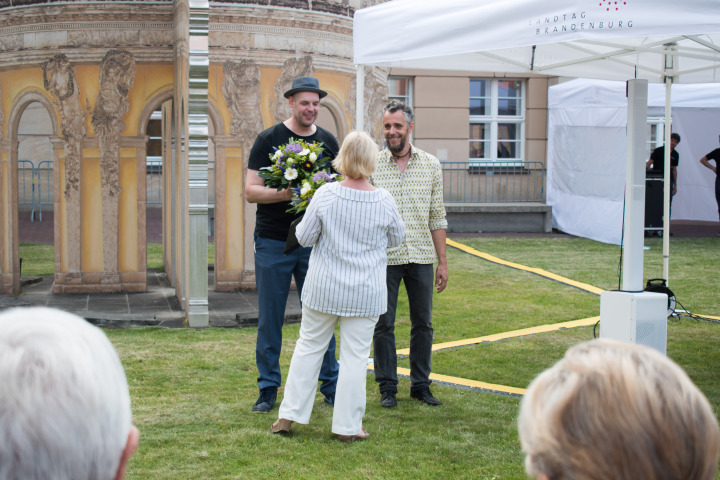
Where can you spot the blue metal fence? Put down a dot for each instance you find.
(44, 176)
(26, 186)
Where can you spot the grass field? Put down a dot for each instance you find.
(192, 390)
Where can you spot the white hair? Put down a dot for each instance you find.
(64, 399)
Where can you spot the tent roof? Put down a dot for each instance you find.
(613, 40)
(587, 94)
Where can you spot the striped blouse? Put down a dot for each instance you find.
(350, 230)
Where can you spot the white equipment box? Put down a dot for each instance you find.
(636, 317)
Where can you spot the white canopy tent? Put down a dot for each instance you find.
(590, 116)
(655, 40)
(572, 38)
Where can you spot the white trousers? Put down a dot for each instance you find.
(316, 329)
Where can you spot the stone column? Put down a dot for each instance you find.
(59, 79)
(117, 74)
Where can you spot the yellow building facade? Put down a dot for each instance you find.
(101, 71)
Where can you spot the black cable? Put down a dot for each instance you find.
(692, 316)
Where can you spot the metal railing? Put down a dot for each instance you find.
(493, 182)
(44, 175)
(154, 182)
(26, 186)
(35, 186)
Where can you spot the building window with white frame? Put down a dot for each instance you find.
(655, 135)
(497, 120)
(400, 88)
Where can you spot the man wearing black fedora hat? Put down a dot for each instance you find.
(274, 269)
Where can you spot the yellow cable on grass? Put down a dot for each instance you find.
(537, 271)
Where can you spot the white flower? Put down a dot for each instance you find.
(306, 187)
(278, 154)
(313, 157)
(304, 152)
(291, 174)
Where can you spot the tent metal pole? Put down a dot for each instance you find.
(671, 69)
(666, 181)
(633, 244)
(360, 98)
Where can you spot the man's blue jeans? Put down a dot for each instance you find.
(273, 273)
(418, 279)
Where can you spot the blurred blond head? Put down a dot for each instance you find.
(357, 157)
(611, 410)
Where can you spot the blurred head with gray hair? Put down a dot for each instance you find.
(64, 401)
(617, 410)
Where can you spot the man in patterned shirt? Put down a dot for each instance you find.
(414, 179)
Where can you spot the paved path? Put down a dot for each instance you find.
(157, 306)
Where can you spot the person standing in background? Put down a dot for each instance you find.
(274, 269)
(351, 224)
(656, 164)
(714, 155)
(414, 178)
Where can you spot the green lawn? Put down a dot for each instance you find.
(192, 390)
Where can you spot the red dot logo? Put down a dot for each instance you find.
(612, 5)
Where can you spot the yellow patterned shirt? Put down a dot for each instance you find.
(418, 193)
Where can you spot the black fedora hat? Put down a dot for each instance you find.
(305, 84)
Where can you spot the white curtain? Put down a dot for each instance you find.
(586, 154)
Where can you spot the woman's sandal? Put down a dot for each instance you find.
(282, 426)
(354, 438)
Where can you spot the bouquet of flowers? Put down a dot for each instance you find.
(298, 165)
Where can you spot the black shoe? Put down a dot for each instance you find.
(329, 398)
(388, 400)
(266, 400)
(425, 396)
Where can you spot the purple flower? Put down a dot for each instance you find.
(294, 148)
(320, 176)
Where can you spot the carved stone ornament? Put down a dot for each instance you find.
(376, 97)
(117, 74)
(241, 90)
(375, 92)
(292, 69)
(59, 79)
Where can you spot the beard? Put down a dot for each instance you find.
(400, 146)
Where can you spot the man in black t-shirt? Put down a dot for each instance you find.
(714, 155)
(273, 268)
(656, 164)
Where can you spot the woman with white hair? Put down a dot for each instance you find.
(611, 410)
(64, 399)
(351, 224)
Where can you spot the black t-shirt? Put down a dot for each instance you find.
(714, 155)
(271, 220)
(658, 158)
